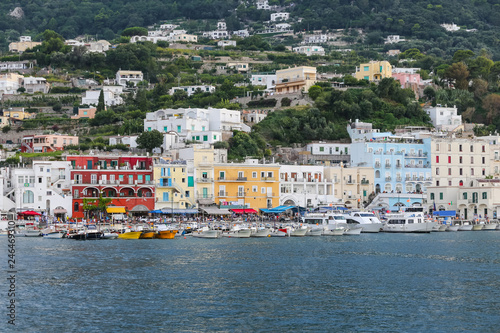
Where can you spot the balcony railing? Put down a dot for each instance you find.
(268, 178)
(365, 182)
(387, 179)
(388, 165)
(377, 165)
(204, 180)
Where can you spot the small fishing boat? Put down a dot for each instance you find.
(166, 234)
(298, 232)
(207, 233)
(130, 235)
(279, 233)
(54, 235)
(260, 232)
(147, 234)
(353, 231)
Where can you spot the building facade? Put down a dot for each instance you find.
(374, 71)
(293, 80)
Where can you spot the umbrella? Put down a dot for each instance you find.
(30, 213)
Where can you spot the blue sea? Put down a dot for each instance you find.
(438, 282)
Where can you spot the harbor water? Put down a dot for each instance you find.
(438, 282)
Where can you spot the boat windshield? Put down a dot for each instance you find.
(339, 218)
(313, 221)
(367, 215)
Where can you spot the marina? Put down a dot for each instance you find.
(262, 284)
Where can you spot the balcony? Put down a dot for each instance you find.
(388, 179)
(399, 166)
(204, 180)
(398, 179)
(241, 194)
(241, 179)
(377, 164)
(350, 182)
(223, 194)
(365, 182)
(268, 179)
(387, 165)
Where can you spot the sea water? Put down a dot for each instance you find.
(439, 282)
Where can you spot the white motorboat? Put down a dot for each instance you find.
(298, 232)
(54, 235)
(315, 231)
(333, 224)
(239, 233)
(464, 225)
(109, 235)
(490, 226)
(339, 231)
(366, 220)
(206, 233)
(452, 227)
(477, 226)
(30, 233)
(279, 233)
(353, 231)
(260, 232)
(410, 220)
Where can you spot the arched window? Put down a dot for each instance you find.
(377, 174)
(28, 197)
(76, 206)
(409, 187)
(388, 187)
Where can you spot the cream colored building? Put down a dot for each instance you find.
(457, 163)
(22, 46)
(293, 80)
(374, 71)
(173, 191)
(352, 185)
(122, 77)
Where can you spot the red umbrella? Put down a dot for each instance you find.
(30, 213)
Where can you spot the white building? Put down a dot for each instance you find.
(263, 5)
(15, 65)
(9, 83)
(45, 187)
(112, 96)
(201, 125)
(333, 152)
(128, 140)
(394, 39)
(216, 34)
(264, 79)
(305, 186)
(190, 90)
(403, 70)
(360, 131)
(282, 27)
(310, 50)
(123, 77)
(221, 25)
(168, 26)
(25, 39)
(241, 33)
(283, 16)
(450, 27)
(224, 43)
(444, 118)
(100, 46)
(315, 39)
(36, 84)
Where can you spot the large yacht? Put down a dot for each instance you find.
(366, 220)
(410, 220)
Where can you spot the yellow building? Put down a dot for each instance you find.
(17, 113)
(173, 189)
(22, 46)
(295, 79)
(374, 71)
(249, 184)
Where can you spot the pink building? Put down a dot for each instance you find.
(46, 143)
(407, 80)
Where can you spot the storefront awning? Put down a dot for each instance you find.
(215, 211)
(244, 211)
(179, 211)
(140, 209)
(116, 210)
(60, 211)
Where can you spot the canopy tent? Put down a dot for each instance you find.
(244, 211)
(140, 209)
(445, 213)
(215, 211)
(116, 210)
(179, 211)
(283, 209)
(30, 213)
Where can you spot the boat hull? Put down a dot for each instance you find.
(315, 232)
(490, 226)
(424, 227)
(477, 227)
(147, 235)
(371, 227)
(244, 233)
(452, 228)
(166, 234)
(298, 232)
(353, 232)
(54, 235)
(261, 233)
(334, 232)
(130, 235)
(212, 234)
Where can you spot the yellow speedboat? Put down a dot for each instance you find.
(147, 234)
(130, 235)
(166, 234)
